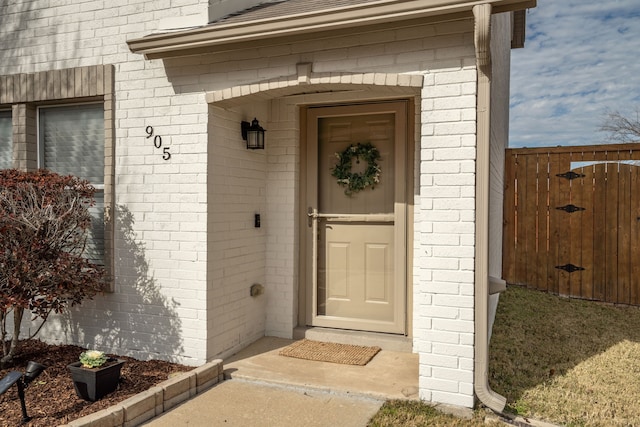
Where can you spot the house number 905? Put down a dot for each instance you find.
(157, 142)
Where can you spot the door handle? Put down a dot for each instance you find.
(312, 214)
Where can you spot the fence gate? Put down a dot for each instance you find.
(572, 221)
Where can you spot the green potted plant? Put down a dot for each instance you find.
(95, 375)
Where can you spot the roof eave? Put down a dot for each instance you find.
(226, 37)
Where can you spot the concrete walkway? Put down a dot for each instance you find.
(264, 388)
(237, 403)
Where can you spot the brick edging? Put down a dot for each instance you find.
(156, 400)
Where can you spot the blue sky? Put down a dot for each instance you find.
(581, 59)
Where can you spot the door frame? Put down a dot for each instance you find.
(404, 208)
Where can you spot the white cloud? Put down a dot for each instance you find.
(581, 59)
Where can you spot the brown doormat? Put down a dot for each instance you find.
(345, 354)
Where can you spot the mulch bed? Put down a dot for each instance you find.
(51, 399)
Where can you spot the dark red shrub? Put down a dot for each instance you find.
(44, 223)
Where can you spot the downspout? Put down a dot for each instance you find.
(482, 38)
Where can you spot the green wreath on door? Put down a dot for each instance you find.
(351, 181)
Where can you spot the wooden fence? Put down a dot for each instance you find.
(572, 221)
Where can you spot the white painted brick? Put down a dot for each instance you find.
(441, 263)
(423, 323)
(456, 399)
(467, 264)
(425, 393)
(455, 77)
(423, 347)
(444, 312)
(439, 361)
(443, 141)
(442, 167)
(453, 325)
(453, 301)
(440, 239)
(171, 203)
(433, 216)
(455, 154)
(451, 204)
(455, 52)
(444, 91)
(458, 128)
(454, 227)
(440, 385)
(459, 179)
(440, 288)
(454, 277)
(442, 337)
(467, 339)
(467, 289)
(467, 314)
(432, 191)
(453, 374)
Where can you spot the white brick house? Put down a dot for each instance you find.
(425, 81)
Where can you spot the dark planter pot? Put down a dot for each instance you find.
(93, 383)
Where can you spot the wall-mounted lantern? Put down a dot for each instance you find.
(254, 135)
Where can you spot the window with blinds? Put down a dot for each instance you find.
(71, 142)
(6, 147)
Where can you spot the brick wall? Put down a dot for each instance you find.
(236, 248)
(283, 176)
(186, 248)
(158, 307)
(444, 237)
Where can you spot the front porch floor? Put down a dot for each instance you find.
(389, 375)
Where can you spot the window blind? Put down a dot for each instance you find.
(72, 143)
(6, 147)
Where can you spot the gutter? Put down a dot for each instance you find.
(482, 38)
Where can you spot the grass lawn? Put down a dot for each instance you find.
(569, 362)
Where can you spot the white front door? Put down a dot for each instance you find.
(356, 240)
